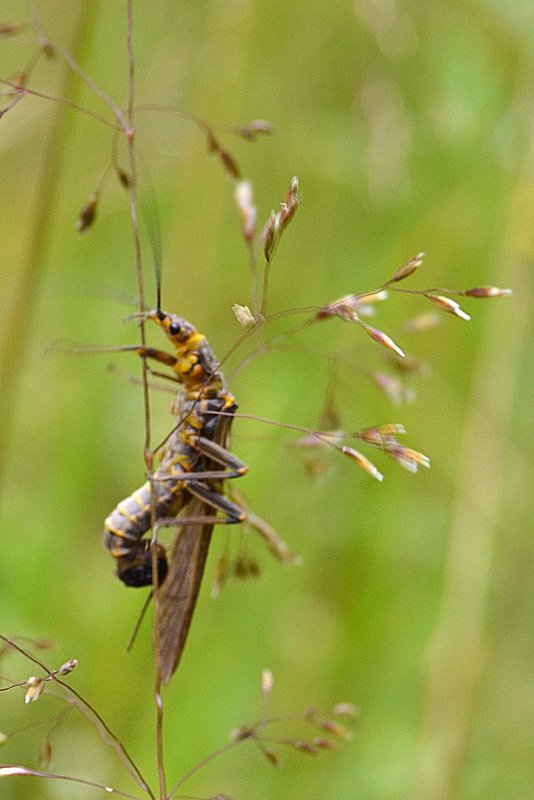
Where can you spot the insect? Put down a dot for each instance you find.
(194, 462)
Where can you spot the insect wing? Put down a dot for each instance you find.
(179, 592)
(189, 552)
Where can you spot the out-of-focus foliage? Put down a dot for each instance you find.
(410, 127)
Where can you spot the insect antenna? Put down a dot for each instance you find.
(153, 227)
(139, 620)
(152, 222)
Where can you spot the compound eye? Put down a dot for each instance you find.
(174, 328)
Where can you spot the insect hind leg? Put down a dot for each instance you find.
(214, 499)
(235, 466)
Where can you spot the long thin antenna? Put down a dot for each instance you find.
(151, 219)
(152, 223)
(138, 621)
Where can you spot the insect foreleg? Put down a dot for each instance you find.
(152, 352)
(235, 468)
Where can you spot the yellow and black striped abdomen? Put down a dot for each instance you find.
(131, 519)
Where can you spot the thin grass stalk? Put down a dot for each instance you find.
(149, 459)
(90, 712)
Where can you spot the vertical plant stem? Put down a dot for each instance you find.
(149, 457)
(457, 648)
(39, 225)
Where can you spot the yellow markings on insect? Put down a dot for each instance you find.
(139, 500)
(122, 508)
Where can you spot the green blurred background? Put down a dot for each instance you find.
(410, 126)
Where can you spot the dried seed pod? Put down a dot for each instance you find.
(448, 305)
(376, 434)
(251, 130)
(362, 462)
(87, 215)
(123, 176)
(68, 666)
(271, 756)
(269, 236)
(323, 744)
(242, 733)
(229, 164)
(45, 753)
(333, 727)
(346, 709)
(305, 747)
(12, 29)
(487, 291)
(383, 339)
(407, 457)
(408, 269)
(266, 681)
(221, 575)
(246, 208)
(244, 315)
(346, 308)
(35, 688)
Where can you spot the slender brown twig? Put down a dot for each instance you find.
(149, 456)
(89, 711)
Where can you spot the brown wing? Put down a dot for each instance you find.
(179, 592)
(189, 551)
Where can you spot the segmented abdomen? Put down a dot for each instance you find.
(131, 519)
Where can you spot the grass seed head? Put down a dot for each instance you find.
(449, 305)
(124, 177)
(244, 315)
(269, 236)
(251, 130)
(363, 462)
(271, 756)
(487, 291)
(68, 666)
(345, 709)
(335, 728)
(380, 433)
(221, 575)
(87, 215)
(9, 29)
(408, 458)
(247, 209)
(408, 269)
(346, 308)
(266, 681)
(45, 753)
(242, 733)
(383, 339)
(305, 747)
(323, 744)
(35, 687)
